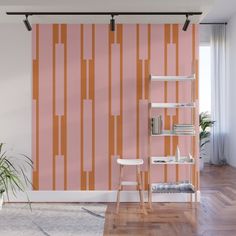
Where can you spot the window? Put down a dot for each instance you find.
(205, 78)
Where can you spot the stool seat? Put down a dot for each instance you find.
(129, 183)
(130, 162)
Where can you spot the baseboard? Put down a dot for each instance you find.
(100, 196)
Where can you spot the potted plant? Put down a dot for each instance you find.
(12, 173)
(205, 124)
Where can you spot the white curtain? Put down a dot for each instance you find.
(219, 95)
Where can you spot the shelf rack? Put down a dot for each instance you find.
(170, 160)
(173, 133)
(172, 78)
(172, 105)
(168, 133)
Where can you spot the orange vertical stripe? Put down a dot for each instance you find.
(55, 118)
(139, 86)
(64, 117)
(193, 113)
(166, 118)
(83, 96)
(147, 74)
(176, 117)
(35, 96)
(91, 96)
(146, 95)
(195, 174)
(111, 118)
(138, 89)
(35, 79)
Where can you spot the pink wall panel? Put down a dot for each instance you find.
(143, 132)
(87, 148)
(143, 42)
(157, 91)
(59, 74)
(45, 107)
(101, 107)
(171, 70)
(34, 133)
(171, 97)
(73, 106)
(115, 79)
(34, 42)
(87, 42)
(157, 61)
(129, 93)
(105, 81)
(59, 172)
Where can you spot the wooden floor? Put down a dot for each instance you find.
(214, 216)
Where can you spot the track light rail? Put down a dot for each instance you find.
(112, 14)
(104, 13)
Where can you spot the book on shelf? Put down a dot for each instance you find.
(184, 128)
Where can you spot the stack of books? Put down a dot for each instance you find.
(179, 187)
(184, 129)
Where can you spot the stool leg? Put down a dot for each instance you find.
(119, 189)
(140, 189)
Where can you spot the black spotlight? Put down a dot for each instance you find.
(186, 23)
(112, 23)
(27, 24)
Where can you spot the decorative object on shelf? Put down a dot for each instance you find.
(12, 173)
(171, 160)
(157, 125)
(190, 158)
(177, 154)
(205, 124)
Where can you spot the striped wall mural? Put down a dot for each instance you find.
(90, 101)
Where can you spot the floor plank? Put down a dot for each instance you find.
(214, 216)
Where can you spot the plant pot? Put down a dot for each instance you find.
(1, 201)
(201, 164)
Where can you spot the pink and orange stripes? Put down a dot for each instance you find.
(90, 101)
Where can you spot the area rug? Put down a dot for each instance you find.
(52, 219)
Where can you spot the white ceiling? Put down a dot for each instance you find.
(221, 11)
(104, 5)
(213, 10)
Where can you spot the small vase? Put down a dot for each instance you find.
(177, 154)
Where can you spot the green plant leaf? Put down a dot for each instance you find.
(12, 175)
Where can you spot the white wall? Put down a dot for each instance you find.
(231, 37)
(205, 34)
(205, 38)
(15, 88)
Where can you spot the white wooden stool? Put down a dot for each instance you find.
(130, 162)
